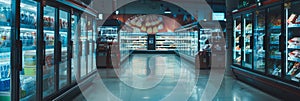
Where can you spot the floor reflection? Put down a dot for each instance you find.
(164, 77)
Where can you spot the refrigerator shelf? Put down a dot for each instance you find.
(294, 26)
(274, 42)
(294, 59)
(293, 47)
(276, 27)
(275, 57)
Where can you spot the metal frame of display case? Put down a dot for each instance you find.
(71, 7)
(285, 88)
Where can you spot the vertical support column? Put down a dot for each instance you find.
(15, 58)
(151, 42)
(230, 5)
(56, 50)
(40, 55)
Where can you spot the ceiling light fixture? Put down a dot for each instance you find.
(167, 11)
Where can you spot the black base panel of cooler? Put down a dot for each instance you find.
(269, 85)
(152, 52)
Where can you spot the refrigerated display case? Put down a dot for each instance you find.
(75, 48)
(83, 46)
(40, 28)
(28, 37)
(5, 50)
(292, 68)
(275, 47)
(237, 43)
(274, 65)
(187, 42)
(63, 48)
(259, 45)
(247, 45)
(165, 41)
(205, 35)
(133, 41)
(48, 75)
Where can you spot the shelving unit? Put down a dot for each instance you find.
(166, 41)
(186, 41)
(133, 41)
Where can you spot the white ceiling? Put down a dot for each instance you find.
(198, 8)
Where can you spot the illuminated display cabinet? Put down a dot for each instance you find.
(265, 46)
(45, 48)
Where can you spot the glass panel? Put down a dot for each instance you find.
(75, 50)
(82, 47)
(274, 32)
(5, 49)
(247, 60)
(28, 37)
(89, 43)
(48, 79)
(94, 43)
(237, 44)
(293, 40)
(63, 25)
(259, 36)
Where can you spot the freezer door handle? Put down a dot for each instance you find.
(87, 45)
(264, 42)
(251, 41)
(59, 51)
(19, 54)
(71, 49)
(43, 53)
(281, 39)
(80, 48)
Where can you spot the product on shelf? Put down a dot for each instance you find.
(237, 48)
(295, 69)
(295, 54)
(248, 37)
(2, 17)
(249, 27)
(239, 59)
(294, 41)
(248, 47)
(239, 26)
(297, 75)
(274, 37)
(276, 70)
(292, 18)
(275, 53)
(237, 39)
(261, 51)
(276, 20)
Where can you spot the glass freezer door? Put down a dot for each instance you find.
(89, 44)
(48, 68)
(5, 49)
(63, 44)
(82, 46)
(75, 48)
(237, 36)
(274, 33)
(259, 38)
(292, 69)
(247, 34)
(28, 36)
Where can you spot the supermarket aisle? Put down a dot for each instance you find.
(164, 76)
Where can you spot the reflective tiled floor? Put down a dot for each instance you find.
(167, 77)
